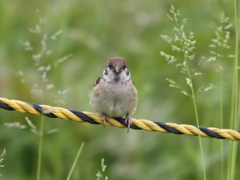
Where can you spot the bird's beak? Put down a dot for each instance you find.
(117, 69)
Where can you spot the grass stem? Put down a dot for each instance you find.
(75, 161)
(40, 147)
(197, 120)
(235, 101)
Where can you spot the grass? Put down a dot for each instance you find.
(219, 46)
(75, 161)
(40, 148)
(42, 84)
(100, 174)
(185, 45)
(1, 159)
(235, 98)
(88, 34)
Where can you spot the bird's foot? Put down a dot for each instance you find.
(128, 121)
(104, 119)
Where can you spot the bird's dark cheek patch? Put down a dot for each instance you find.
(106, 73)
(127, 72)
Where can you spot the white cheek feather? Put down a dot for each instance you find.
(125, 76)
(108, 75)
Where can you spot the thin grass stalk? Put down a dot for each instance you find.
(221, 125)
(40, 148)
(197, 121)
(235, 101)
(75, 161)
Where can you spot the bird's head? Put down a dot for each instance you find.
(117, 69)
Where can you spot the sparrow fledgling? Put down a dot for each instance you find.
(114, 93)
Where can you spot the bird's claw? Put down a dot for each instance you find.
(104, 119)
(128, 121)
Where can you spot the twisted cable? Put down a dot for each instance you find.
(140, 124)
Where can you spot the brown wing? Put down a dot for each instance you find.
(98, 80)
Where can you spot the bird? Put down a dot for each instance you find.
(114, 94)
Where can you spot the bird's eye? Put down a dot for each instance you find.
(110, 66)
(124, 67)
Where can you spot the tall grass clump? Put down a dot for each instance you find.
(41, 84)
(184, 44)
(219, 50)
(222, 52)
(185, 59)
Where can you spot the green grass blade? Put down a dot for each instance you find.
(75, 161)
(40, 147)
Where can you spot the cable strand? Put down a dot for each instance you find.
(140, 124)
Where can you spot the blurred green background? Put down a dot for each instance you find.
(93, 32)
